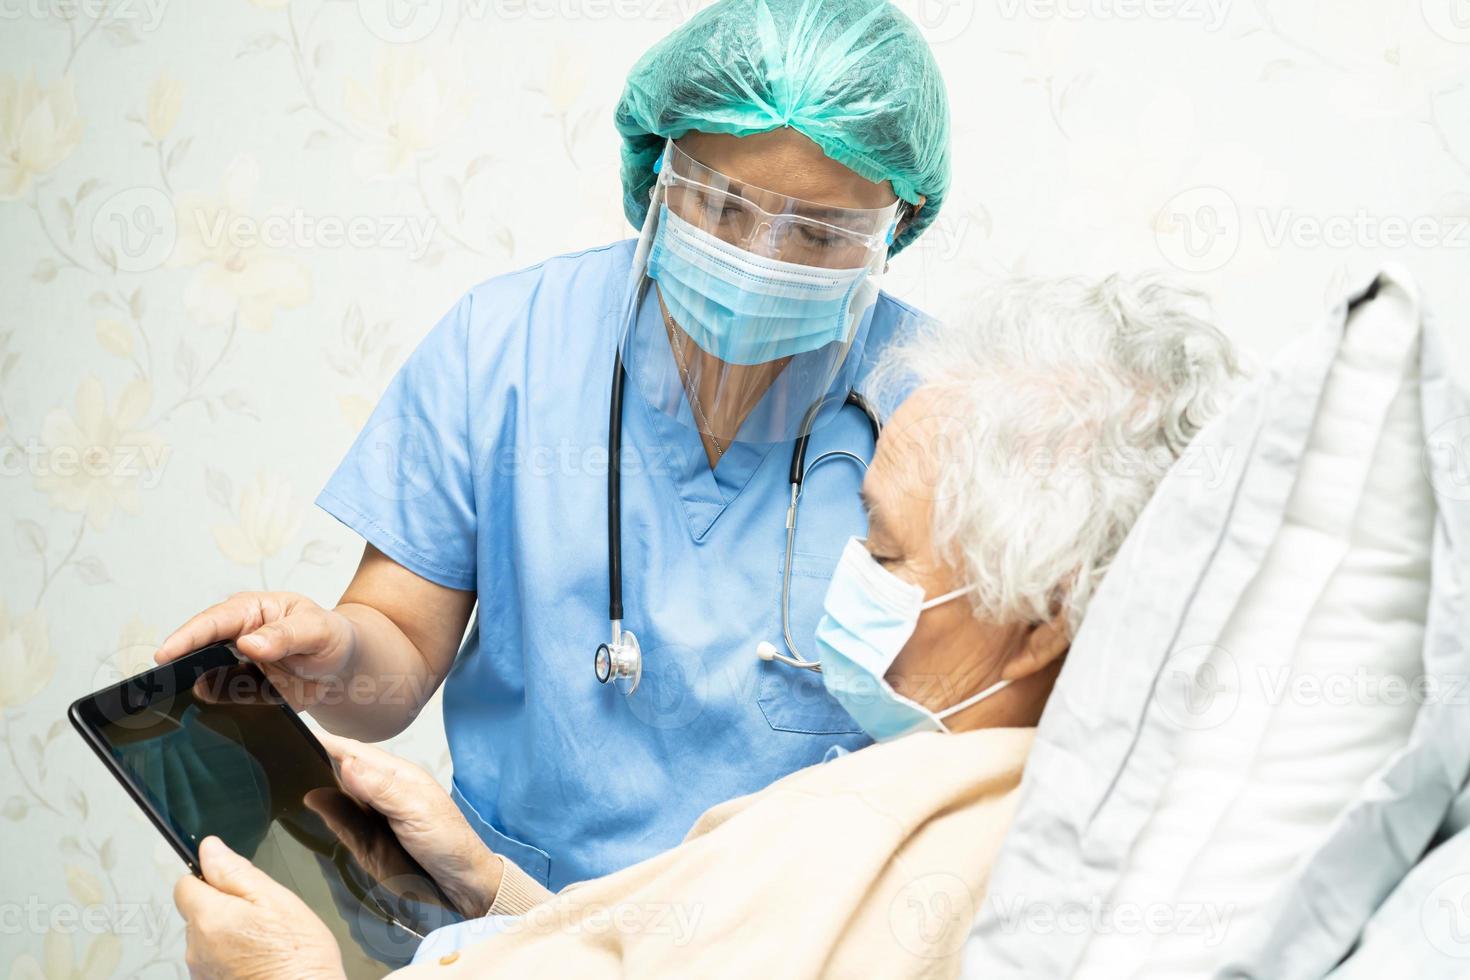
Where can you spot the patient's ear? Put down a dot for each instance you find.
(1042, 646)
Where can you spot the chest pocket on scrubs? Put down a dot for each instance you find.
(795, 700)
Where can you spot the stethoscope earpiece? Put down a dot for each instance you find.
(766, 650)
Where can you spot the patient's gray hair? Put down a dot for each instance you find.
(1071, 398)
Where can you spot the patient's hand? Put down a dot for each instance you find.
(245, 926)
(425, 820)
(369, 839)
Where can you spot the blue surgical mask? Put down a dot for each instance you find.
(870, 615)
(745, 308)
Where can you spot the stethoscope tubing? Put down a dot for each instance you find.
(797, 478)
(796, 659)
(614, 494)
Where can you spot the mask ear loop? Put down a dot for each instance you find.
(947, 597)
(888, 238)
(972, 700)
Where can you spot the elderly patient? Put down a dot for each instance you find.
(1038, 428)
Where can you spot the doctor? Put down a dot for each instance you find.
(599, 449)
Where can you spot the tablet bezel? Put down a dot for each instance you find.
(88, 714)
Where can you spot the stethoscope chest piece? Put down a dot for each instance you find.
(620, 661)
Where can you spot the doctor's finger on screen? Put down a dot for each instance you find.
(422, 816)
(281, 628)
(241, 685)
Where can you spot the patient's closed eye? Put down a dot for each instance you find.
(885, 557)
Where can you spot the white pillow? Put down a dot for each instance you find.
(1191, 806)
(1314, 681)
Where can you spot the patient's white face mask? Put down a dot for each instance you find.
(870, 613)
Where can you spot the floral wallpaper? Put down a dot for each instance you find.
(224, 225)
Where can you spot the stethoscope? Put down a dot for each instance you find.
(621, 659)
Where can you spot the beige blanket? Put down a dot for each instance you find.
(872, 865)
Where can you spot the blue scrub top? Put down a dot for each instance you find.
(484, 468)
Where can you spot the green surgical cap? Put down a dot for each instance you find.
(853, 76)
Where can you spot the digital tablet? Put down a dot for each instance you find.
(205, 745)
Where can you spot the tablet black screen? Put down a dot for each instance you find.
(208, 747)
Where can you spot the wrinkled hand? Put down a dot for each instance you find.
(299, 645)
(243, 925)
(423, 818)
(371, 841)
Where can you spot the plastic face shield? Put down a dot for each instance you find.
(747, 308)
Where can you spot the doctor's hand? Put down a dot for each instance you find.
(296, 642)
(422, 816)
(245, 926)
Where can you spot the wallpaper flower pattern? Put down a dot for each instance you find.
(224, 225)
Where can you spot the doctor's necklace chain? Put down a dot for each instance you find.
(689, 388)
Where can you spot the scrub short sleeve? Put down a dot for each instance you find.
(406, 484)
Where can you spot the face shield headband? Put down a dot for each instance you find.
(745, 305)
